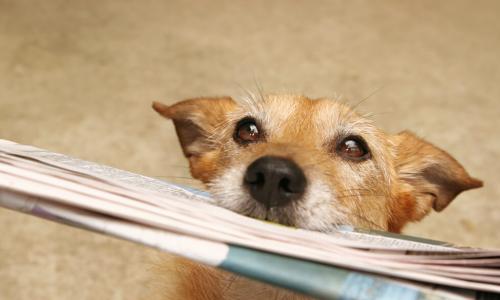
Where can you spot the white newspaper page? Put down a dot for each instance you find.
(150, 211)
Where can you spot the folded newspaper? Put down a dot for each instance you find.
(346, 263)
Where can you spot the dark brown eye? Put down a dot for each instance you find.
(353, 148)
(246, 131)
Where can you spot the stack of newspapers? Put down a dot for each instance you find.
(346, 263)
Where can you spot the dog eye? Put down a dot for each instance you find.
(353, 148)
(246, 131)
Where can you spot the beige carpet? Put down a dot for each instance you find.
(78, 77)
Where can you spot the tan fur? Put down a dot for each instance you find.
(404, 179)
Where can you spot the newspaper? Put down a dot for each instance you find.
(183, 221)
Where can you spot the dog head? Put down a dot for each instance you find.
(313, 164)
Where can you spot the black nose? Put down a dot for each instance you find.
(275, 181)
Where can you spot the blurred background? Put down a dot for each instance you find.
(78, 77)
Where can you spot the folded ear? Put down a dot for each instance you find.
(196, 120)
(433, 175)
(197, 123)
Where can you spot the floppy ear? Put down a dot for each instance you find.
(434, 177)
(196, 121)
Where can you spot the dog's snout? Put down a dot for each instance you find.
(275, 181)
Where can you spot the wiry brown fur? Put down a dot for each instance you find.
(403, 180)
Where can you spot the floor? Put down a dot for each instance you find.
(78, 77)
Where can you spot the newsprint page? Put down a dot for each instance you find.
(347, 263)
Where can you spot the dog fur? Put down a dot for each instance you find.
(404, 178)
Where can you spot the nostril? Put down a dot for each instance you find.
(255, 178)
(258, 179)
(292, 185)
(284, 185)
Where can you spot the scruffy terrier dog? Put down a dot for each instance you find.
(313, 164)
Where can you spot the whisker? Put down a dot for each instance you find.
(371, 222)
(357, 104)
(372, 114)
(259, 87)
(359, 195)
(355, 189)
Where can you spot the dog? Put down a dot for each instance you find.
(308, 163)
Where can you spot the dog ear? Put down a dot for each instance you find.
(196, 121)
(434, 177)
